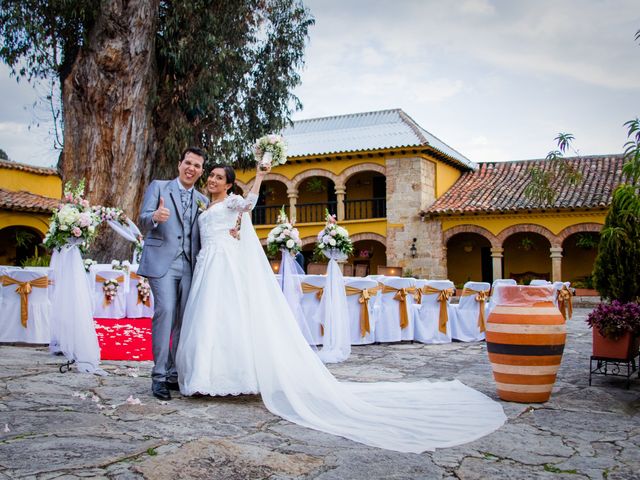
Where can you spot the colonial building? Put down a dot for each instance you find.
(28, 195)
(411, 201)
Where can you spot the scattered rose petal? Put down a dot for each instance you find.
(6, 428)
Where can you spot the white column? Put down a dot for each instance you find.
(496, 255)
(556, 264)
(293, 199)
(340, 191)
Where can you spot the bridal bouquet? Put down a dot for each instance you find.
(270, 150)
(284, 236)
(74, 221)
(110, 290)
(333, 240)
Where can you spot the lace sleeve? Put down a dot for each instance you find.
(240, 204)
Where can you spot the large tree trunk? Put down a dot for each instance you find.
(109, 136)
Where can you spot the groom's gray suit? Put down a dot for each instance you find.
(168, 258)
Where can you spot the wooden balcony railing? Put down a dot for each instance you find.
(314, 212)
(266, 215)
(363, 209)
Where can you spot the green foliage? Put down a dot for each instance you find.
(617, 265)
(225, 70)
(37, 260)
(587, 241)
(24, 238)
(542, 187)
(3, 155)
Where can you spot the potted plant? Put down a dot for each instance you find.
(616, 330)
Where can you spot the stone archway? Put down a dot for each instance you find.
(315, 172)
(468, 257)
(369, 252)
(578, 256)
(578, 228)
(471, 229)
(363, 167)
(528, 228)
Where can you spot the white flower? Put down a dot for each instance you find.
(332, 242)
(68, 214)
(115, 263)
(290, 243)
(321, 246)
(63, 228)
(326, 238)
(91, 229)
(333, 233)
(342, 231)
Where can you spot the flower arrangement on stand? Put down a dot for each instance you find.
(333, 240)
(110, 290)
(284, 236)
(270, 150)
(111, 214)
(73, 222)
(88, 263)
(139, 243)
(616, 329)
(144, 291)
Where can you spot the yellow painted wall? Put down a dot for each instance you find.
(446, 176)
(38, 221)
(554, 221)
(378, 226)
(17, 180)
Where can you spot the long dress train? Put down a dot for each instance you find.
(239, 336)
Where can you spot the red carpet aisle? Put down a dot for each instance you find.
(124, 338)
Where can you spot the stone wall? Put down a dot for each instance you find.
(410, 188)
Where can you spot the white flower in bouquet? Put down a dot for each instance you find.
(115, 264)
(68, 214)
(283, 236)
(270, 150)
(88, 262)
(333, 238)
(126, 265)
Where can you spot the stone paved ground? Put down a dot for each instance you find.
(72, 425)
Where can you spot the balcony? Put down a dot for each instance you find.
(364, 209)
(315, 212)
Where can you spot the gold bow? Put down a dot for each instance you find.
(365, 295)
(401, 297)
(481, 298)
(565, 302)
(24, 290)
(140, 278)
(417, 296)
(101, 279)
(443, 298)
(308, 288)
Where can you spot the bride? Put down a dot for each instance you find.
(239, 337)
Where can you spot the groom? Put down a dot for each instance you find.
(168, 218)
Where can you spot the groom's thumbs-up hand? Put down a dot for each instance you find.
(162, 213)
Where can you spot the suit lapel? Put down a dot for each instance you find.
(194, 206)
(174, 192)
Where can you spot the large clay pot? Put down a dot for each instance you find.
(526, 334)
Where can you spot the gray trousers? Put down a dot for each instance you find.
(170, 295)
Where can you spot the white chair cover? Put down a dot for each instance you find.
(419, 283)
(134, 307)
(311, 307)
(464, 324)
(38, 310)
(72, 329)
(539, 281)
(355, 311)
(494, 285)
(388, 311)
(427, 316)
(117, 307)
(336, 342)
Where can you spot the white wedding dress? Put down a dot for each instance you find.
(239, 336)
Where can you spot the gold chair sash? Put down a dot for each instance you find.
(308, 288)
(443, 298)
(24, 290)
(565, 302)
(401, 297)
(101, 279)
(481, 298)
(140, 278)
(365, 295)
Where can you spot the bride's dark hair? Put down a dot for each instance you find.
(229, 173)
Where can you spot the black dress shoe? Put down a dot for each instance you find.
(175, 386)
(160, 390)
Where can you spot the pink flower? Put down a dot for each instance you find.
(76, 232)
(85, 203)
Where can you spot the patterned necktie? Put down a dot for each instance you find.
(185, 196)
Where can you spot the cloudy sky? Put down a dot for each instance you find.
(495, 79)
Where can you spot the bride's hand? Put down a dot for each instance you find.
(262, 170)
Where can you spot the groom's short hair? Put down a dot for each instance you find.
(195, 151)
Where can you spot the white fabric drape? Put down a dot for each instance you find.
(295, 384)
(334, 312)
(131, 232)
(72, 329)
(291, 274)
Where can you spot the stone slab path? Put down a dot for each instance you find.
(68, 426)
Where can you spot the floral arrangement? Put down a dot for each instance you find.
(615, 319)
(138, 248)
(106, 214)
(118, 265)
(110, 290)
(88, 262)
(284, 236)
(333, 238)
(275, 146)
(144, 291)
(74, 221)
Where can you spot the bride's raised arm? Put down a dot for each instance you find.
(240, 204)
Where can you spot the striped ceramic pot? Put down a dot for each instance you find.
(526, 334)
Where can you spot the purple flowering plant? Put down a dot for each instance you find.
(615, 319)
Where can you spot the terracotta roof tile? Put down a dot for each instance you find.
(28, 168)
(499, 187)
(26, 201)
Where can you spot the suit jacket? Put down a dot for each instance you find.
(163, 242)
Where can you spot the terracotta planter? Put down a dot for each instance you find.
(586, 292)
(624, 348)
(526, 334)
